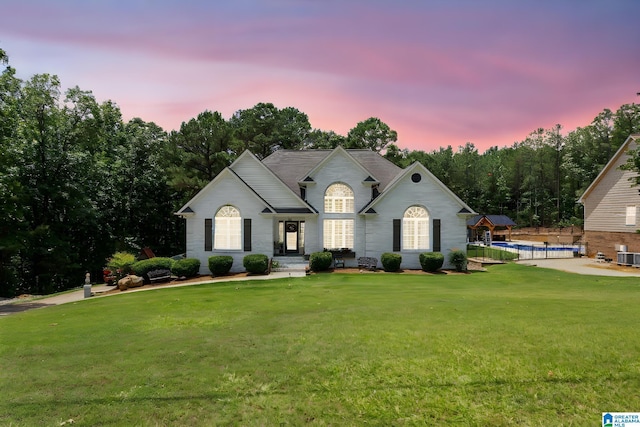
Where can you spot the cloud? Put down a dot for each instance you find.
(440, 73)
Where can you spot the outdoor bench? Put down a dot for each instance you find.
(160, 275)
(369, 263)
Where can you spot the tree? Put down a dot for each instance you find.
(626, 121)
(372, 134)
(198, 152)
(264, 129)
(53, 168)
(142, 203)
(13, 194)
(319, 139)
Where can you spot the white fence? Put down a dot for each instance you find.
(541, 251)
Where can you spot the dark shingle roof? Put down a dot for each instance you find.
(292, 166)
(497, 220)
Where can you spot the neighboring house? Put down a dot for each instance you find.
(304, 201)
(611, 206)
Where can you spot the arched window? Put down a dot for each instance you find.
(415, 228)
(228, 229)
(338, 199)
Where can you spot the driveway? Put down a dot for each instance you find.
(587, 266)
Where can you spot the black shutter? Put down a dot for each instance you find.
(208, 234)
(396, 234)
(436, 236)
(247, 234)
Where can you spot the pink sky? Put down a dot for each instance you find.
(438, 72)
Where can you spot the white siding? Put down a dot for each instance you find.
(228, 191)
(439, 204)
(605, 208)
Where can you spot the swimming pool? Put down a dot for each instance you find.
(532, 251)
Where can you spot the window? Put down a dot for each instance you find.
(338, 233)
(228, 229)
(338, 199)
(631, 215)
(415, 228)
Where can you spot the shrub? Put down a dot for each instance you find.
(219, 265)
(120, 264)
(390, 261)
(186, 267)
(141, 268)
(256, 263)
(431, 261)
(320, 261)
(459, 259)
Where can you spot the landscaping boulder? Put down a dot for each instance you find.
(130, 281)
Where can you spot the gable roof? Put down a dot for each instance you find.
(495, 220)
(464, 209)
(186, 209)
(605, 170)
(267, 184)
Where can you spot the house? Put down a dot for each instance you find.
(611, 206)
(297, 202)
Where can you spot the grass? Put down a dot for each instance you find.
(475, 251)
(514, 346)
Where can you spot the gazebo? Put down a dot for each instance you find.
(491, 222)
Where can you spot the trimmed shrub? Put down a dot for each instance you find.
(141, 268)
(391, 261)
(431, 261)
(459, 259)
(186, 267)
(256, 263)
(120, 264)
(219, 265)
(320, 261)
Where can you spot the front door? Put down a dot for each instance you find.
(291, 230)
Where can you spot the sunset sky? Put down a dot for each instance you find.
(439, 72)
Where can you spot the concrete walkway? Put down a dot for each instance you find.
(587, 266)
(15, 306)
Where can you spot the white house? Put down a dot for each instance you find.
(297, 202)
(611, 206)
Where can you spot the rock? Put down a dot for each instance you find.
(130, 281)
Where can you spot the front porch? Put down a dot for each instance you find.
(289, 237)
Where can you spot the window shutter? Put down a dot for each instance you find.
(208, 234)
(436, 236)
(396, 234)
(247, 234)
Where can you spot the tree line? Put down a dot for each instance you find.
(78, 183)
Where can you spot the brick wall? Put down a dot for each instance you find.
(605, 242)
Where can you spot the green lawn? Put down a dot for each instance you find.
(512, 346)
(475, 251)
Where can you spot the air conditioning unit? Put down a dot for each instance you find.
(621, 248)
